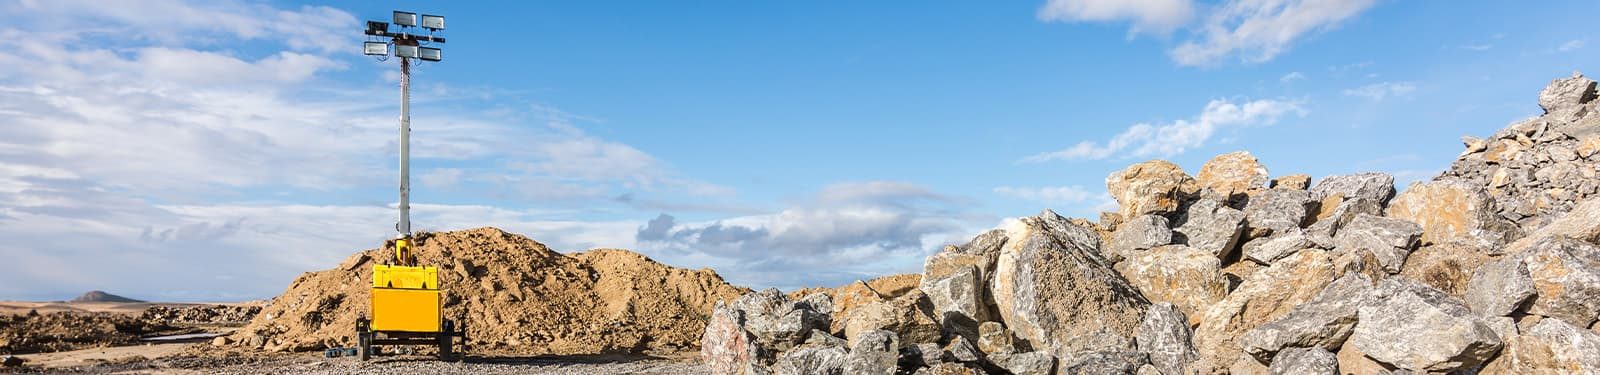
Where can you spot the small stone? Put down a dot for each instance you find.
(221, 341)
(1305, 361)
(948, 369)
(1165, 337)
(1412, 326)
(1211, 226)
(1232, 173)
(1151, 187)
(12, 361)
(993, 338)
(1292, 182)
(1391, 240)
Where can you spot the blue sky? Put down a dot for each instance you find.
(181, 150)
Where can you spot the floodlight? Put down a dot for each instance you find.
(377, 28)
(405, 50)
(405, 18)
(432, 22)
(430, 54)
(376, 48)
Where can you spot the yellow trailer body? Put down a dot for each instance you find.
(405, 299)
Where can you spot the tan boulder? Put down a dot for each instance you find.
(1453, 211)
(1151, 187)
(1292, 182)
(910, 317)
(1187, 277)
(1447, 267)
(1233, 173)
(1264, 296)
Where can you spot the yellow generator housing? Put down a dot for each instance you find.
(405, 299)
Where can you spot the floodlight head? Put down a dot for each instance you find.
(405, 51)
(377, 28)
(432, 22)
(430, 54)
(405, 18)
(376, 48)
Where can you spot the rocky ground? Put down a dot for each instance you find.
(310, 363)
(1492, 267)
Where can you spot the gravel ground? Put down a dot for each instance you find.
(316, 364)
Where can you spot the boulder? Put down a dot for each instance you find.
(812, 359)
(1391, 240)
(1376, 187)
(726, 348)
(1564, 98)
(1566, 279)
(1030, 363)
(961, 350)
(1139, 233)
(910, 317)
(1232, 174)
(957, 301)
(1549, 347)
(1305, 361)
(1453, 210)
(1292, 182)
(1187, 277)
(1278, 210)
(874, 353)
(1266, 250)
(1165, 337)
(1323, 322)
(948, 369)
(1103, 362)
(1353, 361)
(1263, 296)
(1582, 223)
(1151, 187)
(1336, 215)
(1412, 326)
(1045, 272)
(924, 354)
(1500, 287)
(993, 338)
(1446, 267)
(1211, 226)
(778, 322)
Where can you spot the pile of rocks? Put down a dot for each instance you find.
(1234, 271)
(201, 314)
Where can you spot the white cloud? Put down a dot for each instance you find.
(1381, 90)
(1259, 30)
(318, 28)
(1050, 194)
(1291, 77)
(1157, 16)
(845, 232)
(1570, 45)
(1477, 47)
(1146, 140)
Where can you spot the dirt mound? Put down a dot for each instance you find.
(37, 333)
(99, 296)
(203, 314)
(515, 295)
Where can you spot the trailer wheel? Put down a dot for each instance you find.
(363, 339)
(446, 338)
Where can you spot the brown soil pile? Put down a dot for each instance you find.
(38, 333)
(515, 295)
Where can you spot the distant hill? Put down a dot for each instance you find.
(99, 296)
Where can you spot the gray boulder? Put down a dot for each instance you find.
(1376, 187)
(957, 300)
(961, 350)
(1323, 322)
(1499, 287)
(1266, 250)
(1211, 226)
(1391, 240)
(1139, 233)
(1566, 279)
(1045, 272)
(1278, 210)
(1031, 363)
(1165, 337)
(1334, 217)
(1549, 347)
(1565, 97)
(874, 353)
(1412, 326)
(1305, 361)
(1103, 362)
(778, 322)
(921, 355)
(812, 359)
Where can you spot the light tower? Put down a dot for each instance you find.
(406, 46)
